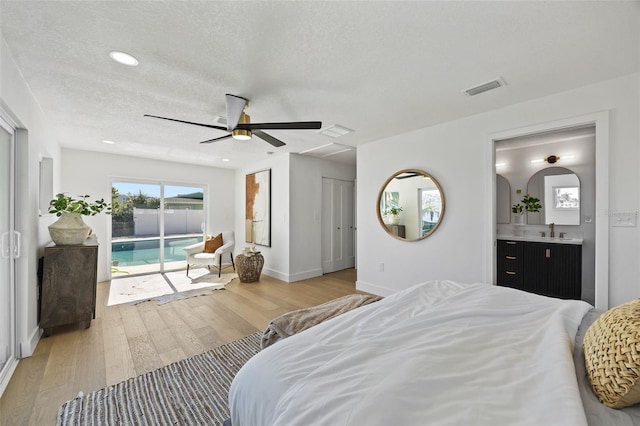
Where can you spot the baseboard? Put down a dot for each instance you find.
(27, 347)
(276, 274)
(305, 275)
(13, 363)
(290, 278)
(374, 289)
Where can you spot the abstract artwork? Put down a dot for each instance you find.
(258, 208)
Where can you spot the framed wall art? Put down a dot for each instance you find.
(258, 208)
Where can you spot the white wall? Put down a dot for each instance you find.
(458, 155)
(17, 100)
(276, 257)
(83, 173)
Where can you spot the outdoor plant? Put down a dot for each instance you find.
(529, 204)
(66, 204)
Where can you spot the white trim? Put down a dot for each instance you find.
(374, 289)
(5, 380)
(601, 121)
(27, 347)
(299, 276)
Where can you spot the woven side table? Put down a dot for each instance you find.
(249, 267)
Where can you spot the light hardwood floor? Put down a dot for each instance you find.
(128, 340)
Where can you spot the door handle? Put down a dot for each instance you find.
(547, 253)
(17, 242)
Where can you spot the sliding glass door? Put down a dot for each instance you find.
(9, 243)
(151, 223)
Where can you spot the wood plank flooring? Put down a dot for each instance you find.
(128, 340)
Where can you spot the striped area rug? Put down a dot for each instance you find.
(188, 392)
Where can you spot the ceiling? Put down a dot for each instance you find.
(378, 68)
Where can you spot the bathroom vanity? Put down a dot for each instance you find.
(542, 265)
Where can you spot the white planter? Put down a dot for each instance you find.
(394, 219)
(70, 229)
(518, 219)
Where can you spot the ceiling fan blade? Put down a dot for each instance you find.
(235, 106)
(216, 139)
(295, 125)
(211, 126)
(268, 138)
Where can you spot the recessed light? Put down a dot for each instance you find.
(226, 160)
(109, 142)
(501, 164)
(123, 58)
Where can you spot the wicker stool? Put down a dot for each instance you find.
(249, 267)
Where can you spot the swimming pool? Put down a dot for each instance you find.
(147, 251)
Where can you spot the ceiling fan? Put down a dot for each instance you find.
(240, 127)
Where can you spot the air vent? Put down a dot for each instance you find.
(327, 150)
(335, 131)
(485, 87)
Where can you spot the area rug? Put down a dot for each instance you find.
(166, 287)
(188, 392)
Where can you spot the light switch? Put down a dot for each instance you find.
(624, 219)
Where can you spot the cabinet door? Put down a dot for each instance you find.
(535, 268)
(564, 271)
(553, 270)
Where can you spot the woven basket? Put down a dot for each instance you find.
(612, 355)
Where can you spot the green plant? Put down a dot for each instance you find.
(394, 210)
(529, 204)
(65, 203)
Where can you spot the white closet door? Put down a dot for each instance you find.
(338, 230)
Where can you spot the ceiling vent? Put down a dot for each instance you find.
(327, 150)
(335, 131)
(485, 87)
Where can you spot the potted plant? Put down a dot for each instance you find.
(70, 228)
(394, 214)
(529, 204)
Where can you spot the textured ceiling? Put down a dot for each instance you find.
(379, 68)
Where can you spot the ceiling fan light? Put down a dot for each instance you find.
(241, 134)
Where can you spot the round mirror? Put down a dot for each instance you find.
(558, 190)
(410, 205)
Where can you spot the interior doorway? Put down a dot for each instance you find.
(338, 225)
(600, 219)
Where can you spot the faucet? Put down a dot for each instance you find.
(552, 233)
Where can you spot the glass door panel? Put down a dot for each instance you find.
(135, 228)
(7, 256)
(183, 222)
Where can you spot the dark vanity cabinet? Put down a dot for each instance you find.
(550, 269)
(69, 278)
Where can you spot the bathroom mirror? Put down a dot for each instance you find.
(410, 205)
(558, 189)
(503, 200)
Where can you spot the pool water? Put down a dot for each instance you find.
(147, 251)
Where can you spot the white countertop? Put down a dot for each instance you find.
(539, 239)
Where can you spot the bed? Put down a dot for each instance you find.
(442, 353)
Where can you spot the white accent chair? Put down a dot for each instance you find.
(196, 255)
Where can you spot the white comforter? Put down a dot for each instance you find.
(441, 353)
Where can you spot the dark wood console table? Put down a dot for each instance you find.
(69, 278)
